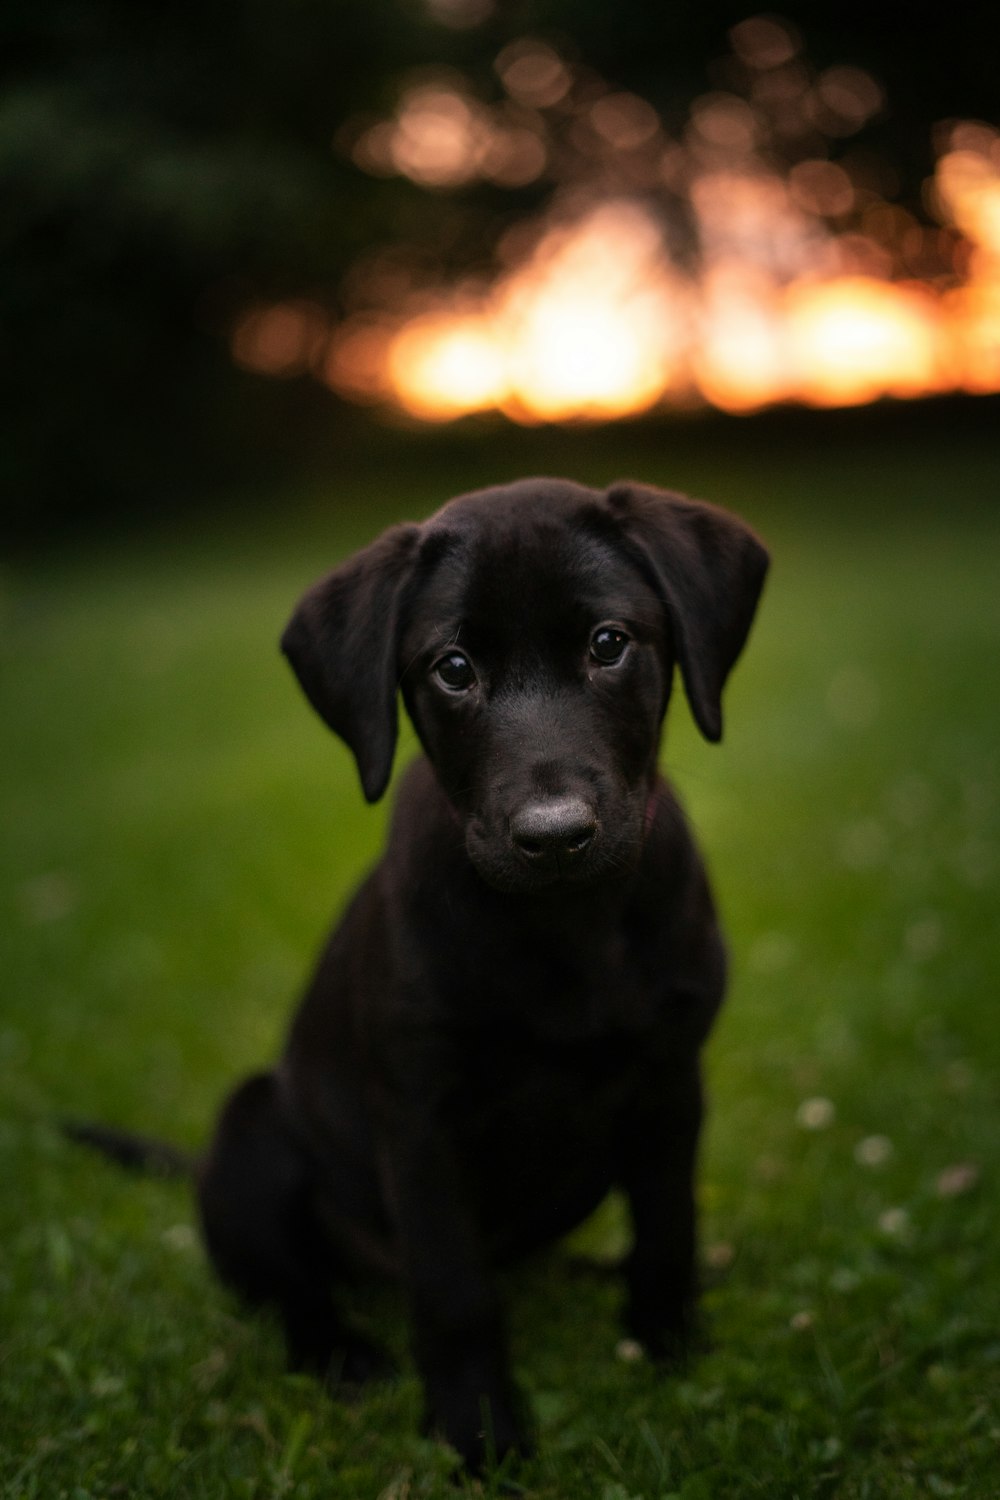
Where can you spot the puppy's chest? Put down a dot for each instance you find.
(536, 1096)
(565, 998)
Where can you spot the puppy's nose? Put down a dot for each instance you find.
(554, 831)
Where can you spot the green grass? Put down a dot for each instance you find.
(178, 831)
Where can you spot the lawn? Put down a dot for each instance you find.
(179, 829)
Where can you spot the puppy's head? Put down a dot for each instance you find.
(534, 629)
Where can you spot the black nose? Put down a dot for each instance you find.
(554, 831)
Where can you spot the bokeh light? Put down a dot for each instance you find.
(746, 259)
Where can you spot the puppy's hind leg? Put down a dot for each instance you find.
(255, 1194)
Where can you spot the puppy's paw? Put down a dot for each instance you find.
(361, 1362)
(484, 1432)
(671, 1339)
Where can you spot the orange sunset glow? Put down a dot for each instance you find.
(806, 284)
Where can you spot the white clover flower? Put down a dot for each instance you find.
(720, 1256)
(180, 1237)
(957, 1179)
(894, 1222)
(815, 1114)
(873, 1151)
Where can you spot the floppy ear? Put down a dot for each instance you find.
(709, 569)
(342, 642)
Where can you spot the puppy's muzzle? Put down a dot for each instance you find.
(554, 834)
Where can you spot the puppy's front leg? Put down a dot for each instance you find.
(458, 1327)
(657, 1150)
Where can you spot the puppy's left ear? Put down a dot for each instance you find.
(709, 569)
(343, 641)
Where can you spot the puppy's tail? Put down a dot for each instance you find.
(139, 1153)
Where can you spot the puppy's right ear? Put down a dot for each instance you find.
(342, 642)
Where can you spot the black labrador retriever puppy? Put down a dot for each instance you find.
(507, 1021)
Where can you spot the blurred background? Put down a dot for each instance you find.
(242, 238)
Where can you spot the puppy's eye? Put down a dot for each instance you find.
(454, 672)
(607, 645)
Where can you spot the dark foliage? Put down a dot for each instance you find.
(162, 166)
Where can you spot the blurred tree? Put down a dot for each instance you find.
(157, 165)
(161, 167)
